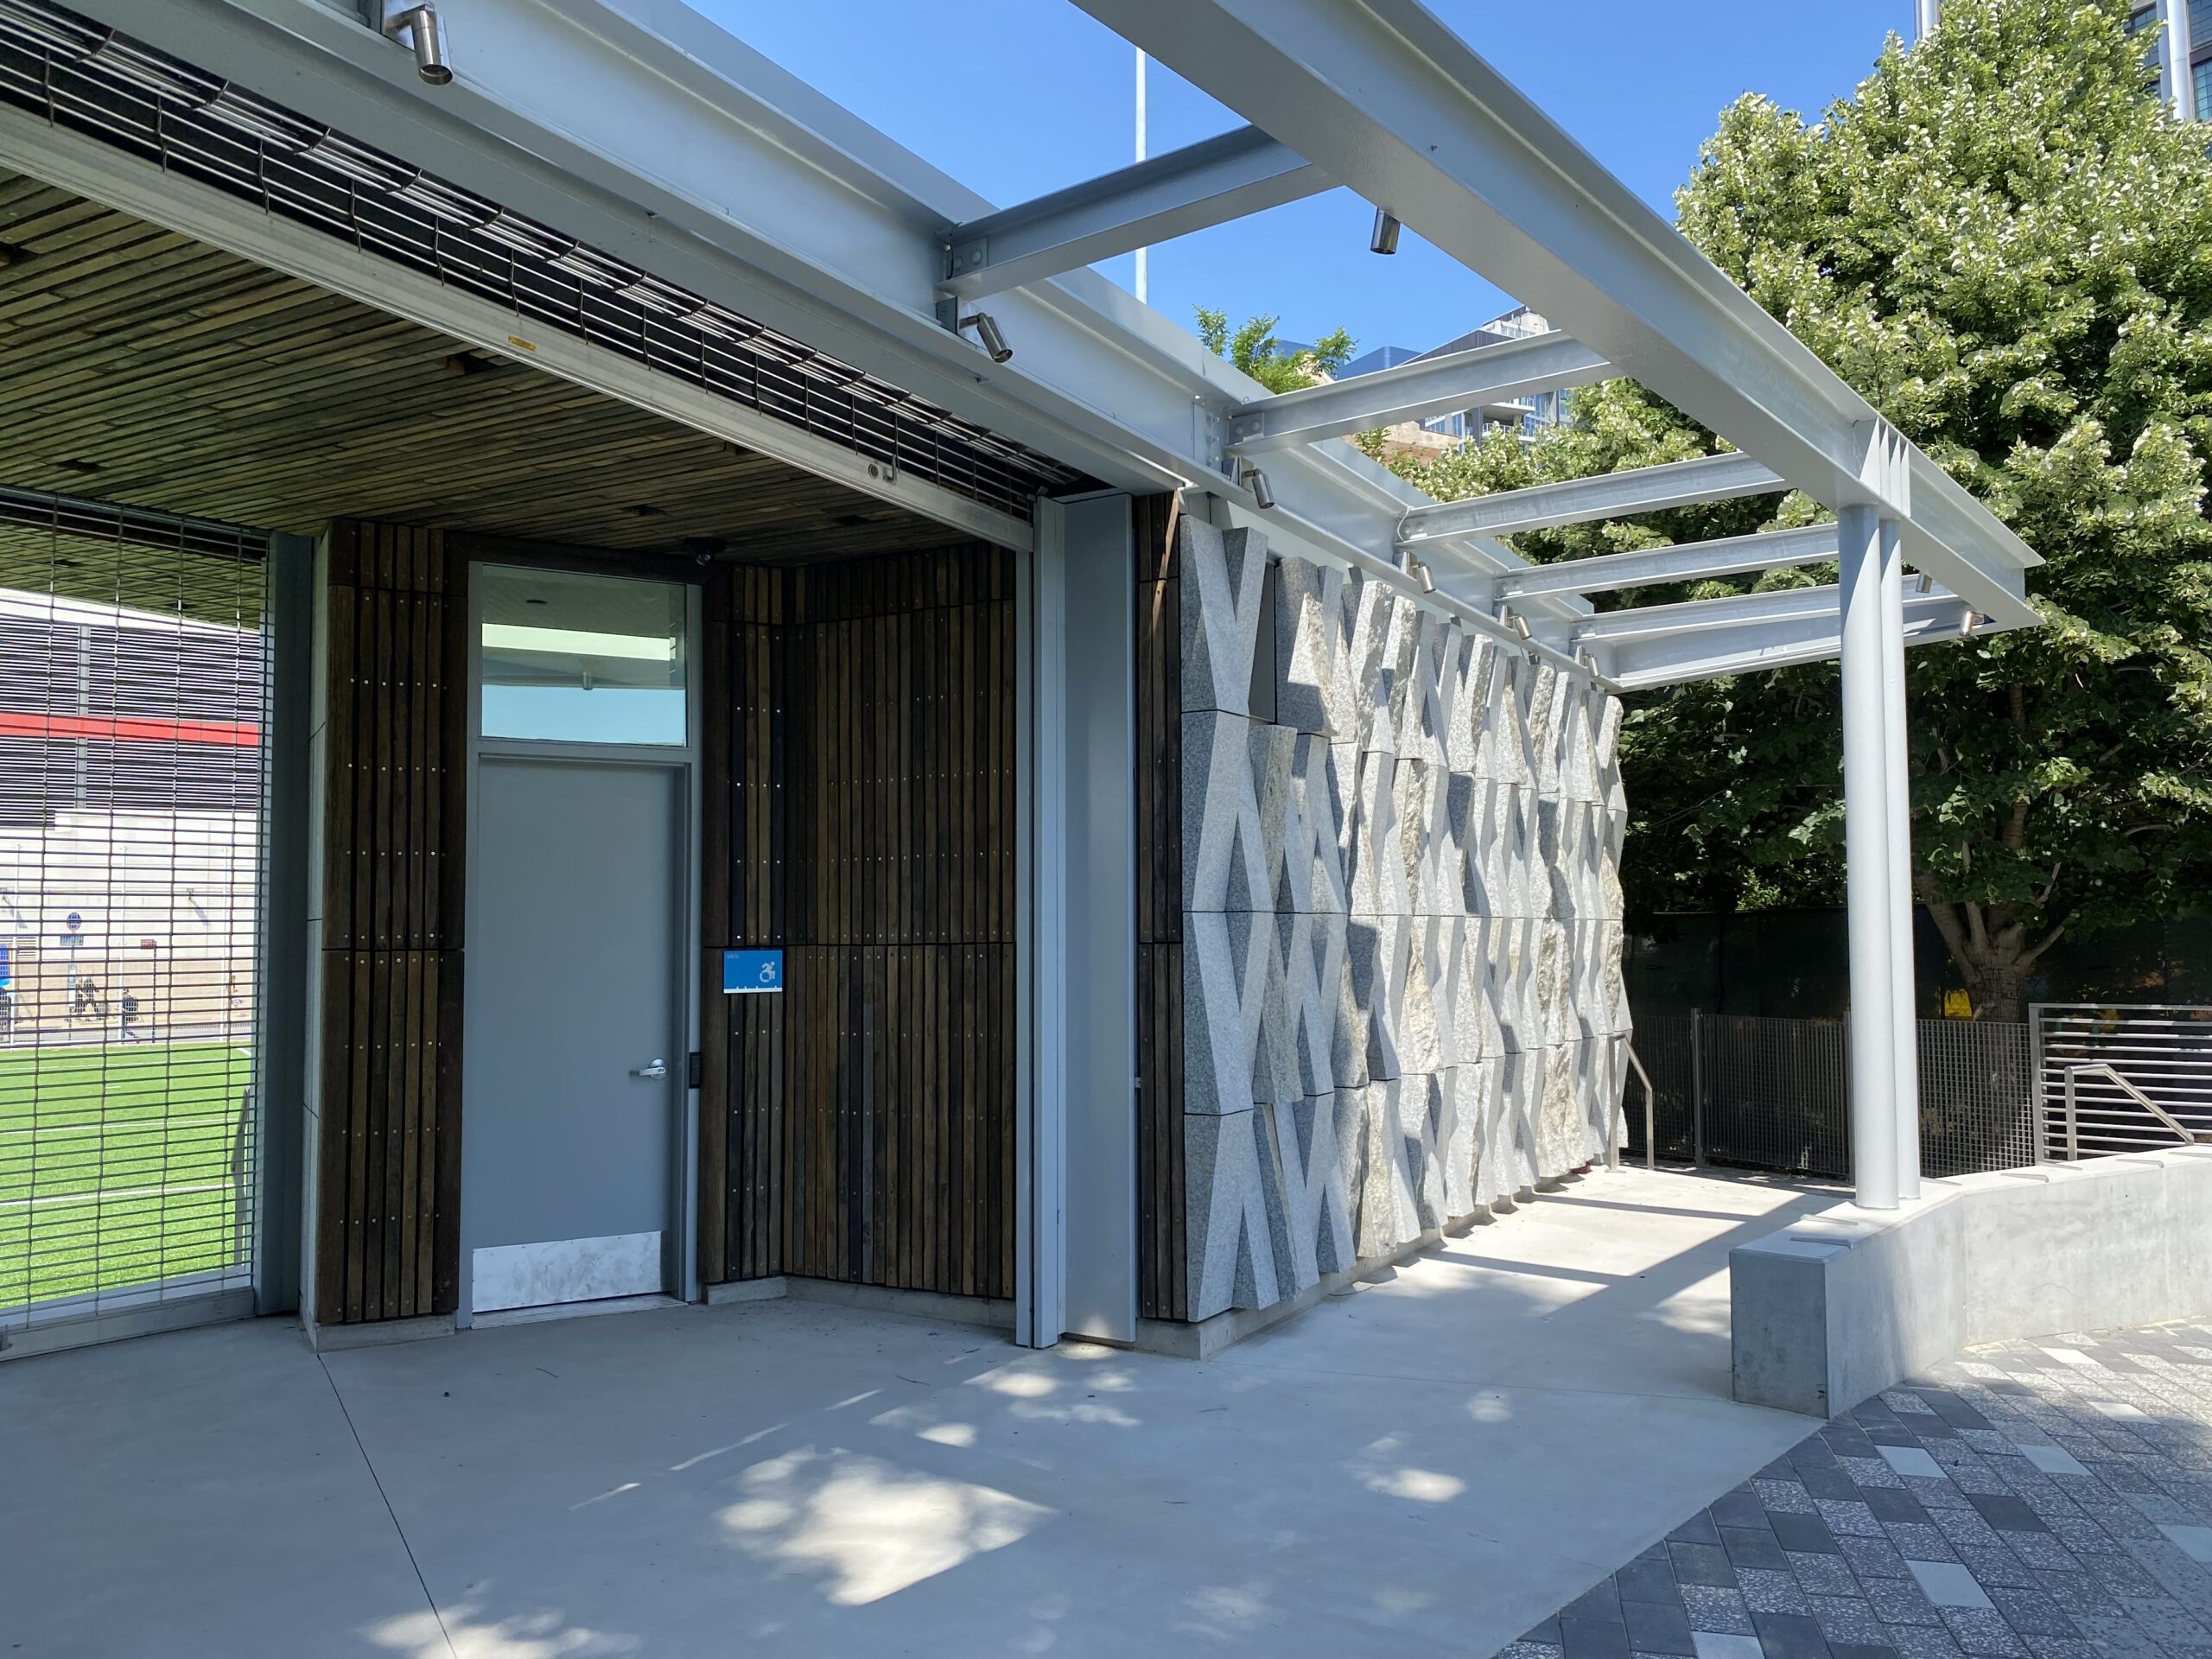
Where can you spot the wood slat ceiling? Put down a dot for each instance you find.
(142, 367)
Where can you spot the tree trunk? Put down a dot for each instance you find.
(1992, 952)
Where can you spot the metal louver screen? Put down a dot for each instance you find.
(133, 804)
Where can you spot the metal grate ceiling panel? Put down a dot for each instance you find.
(90, 78)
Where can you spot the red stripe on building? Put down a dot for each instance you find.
(236, 735)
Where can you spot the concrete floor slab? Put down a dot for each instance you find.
(1426, 1465)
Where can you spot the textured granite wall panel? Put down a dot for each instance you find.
(1401, 902)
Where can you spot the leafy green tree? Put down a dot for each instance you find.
(2005, 242)
(1253, 347)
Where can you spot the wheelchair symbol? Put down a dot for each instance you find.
(767, 973)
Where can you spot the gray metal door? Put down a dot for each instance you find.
(573, 1063)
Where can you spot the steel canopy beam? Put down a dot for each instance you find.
(1750, 645)
(1155, 201)
(1419, 390)
(1731, 555)
(1784, 606)
(1388, 101)
(1581, 501)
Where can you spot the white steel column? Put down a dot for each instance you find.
(1904, 1021)
(1926, 15)
(2179, 48)
(1867, 850)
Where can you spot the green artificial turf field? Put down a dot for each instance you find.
(117, 1165)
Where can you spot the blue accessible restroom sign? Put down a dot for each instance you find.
(750, 973)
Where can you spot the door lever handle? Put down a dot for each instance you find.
(657, 1069)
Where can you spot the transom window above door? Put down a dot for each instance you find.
(576, 658)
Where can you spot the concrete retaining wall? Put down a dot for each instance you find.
(1840, 1305)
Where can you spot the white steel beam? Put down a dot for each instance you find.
(1155, 200)
(1752, 646)
(1388, 100)
(1419, 390)
(1581, 501)
(1731, 555)
(1787, 607)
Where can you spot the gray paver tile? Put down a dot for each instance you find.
(2028, 1612)
(1849, 1618)
(1852, 1520)
(1768, 1592)
(1981, 1630)
(1994, 1564)
(1915, 1642)
(1873, 1558)
(1899, 1601)
(1730, 1645)
(1824, 1575)
(1921, 1543)
(1785, 1496)
(1720, 1611)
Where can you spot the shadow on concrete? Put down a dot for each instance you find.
(1427, 1463)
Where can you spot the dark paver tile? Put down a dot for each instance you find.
(1740, 1508)
(1653, 1628)
(1702, 1564)
(1893, 1505)
(1593, 1638)
(1994, 1564)
(1649, 1579)
(1698, 1530)
(1954, 1410)
(1601, 1600)
(1747, 1546)
(1829, 1480)
(1803, 1532)
(2008, 1514)
(1860, 1651)
(1846, 1441)
(1791, 1636)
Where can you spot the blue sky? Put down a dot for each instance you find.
(1018, 97)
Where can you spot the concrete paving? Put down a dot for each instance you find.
(1425, 1464)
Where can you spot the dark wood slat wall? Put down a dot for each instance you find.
(394, 740)
(1162, 1264)
(870, 824)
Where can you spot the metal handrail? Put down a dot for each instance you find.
(1651, 1098)
(2181, 1132)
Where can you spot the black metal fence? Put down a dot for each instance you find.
(1775, 1093)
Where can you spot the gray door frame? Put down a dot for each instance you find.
(684, 764)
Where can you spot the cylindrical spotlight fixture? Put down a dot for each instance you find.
(988, 335)
(1256, 481)
(418, 27)
(1385, 237)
